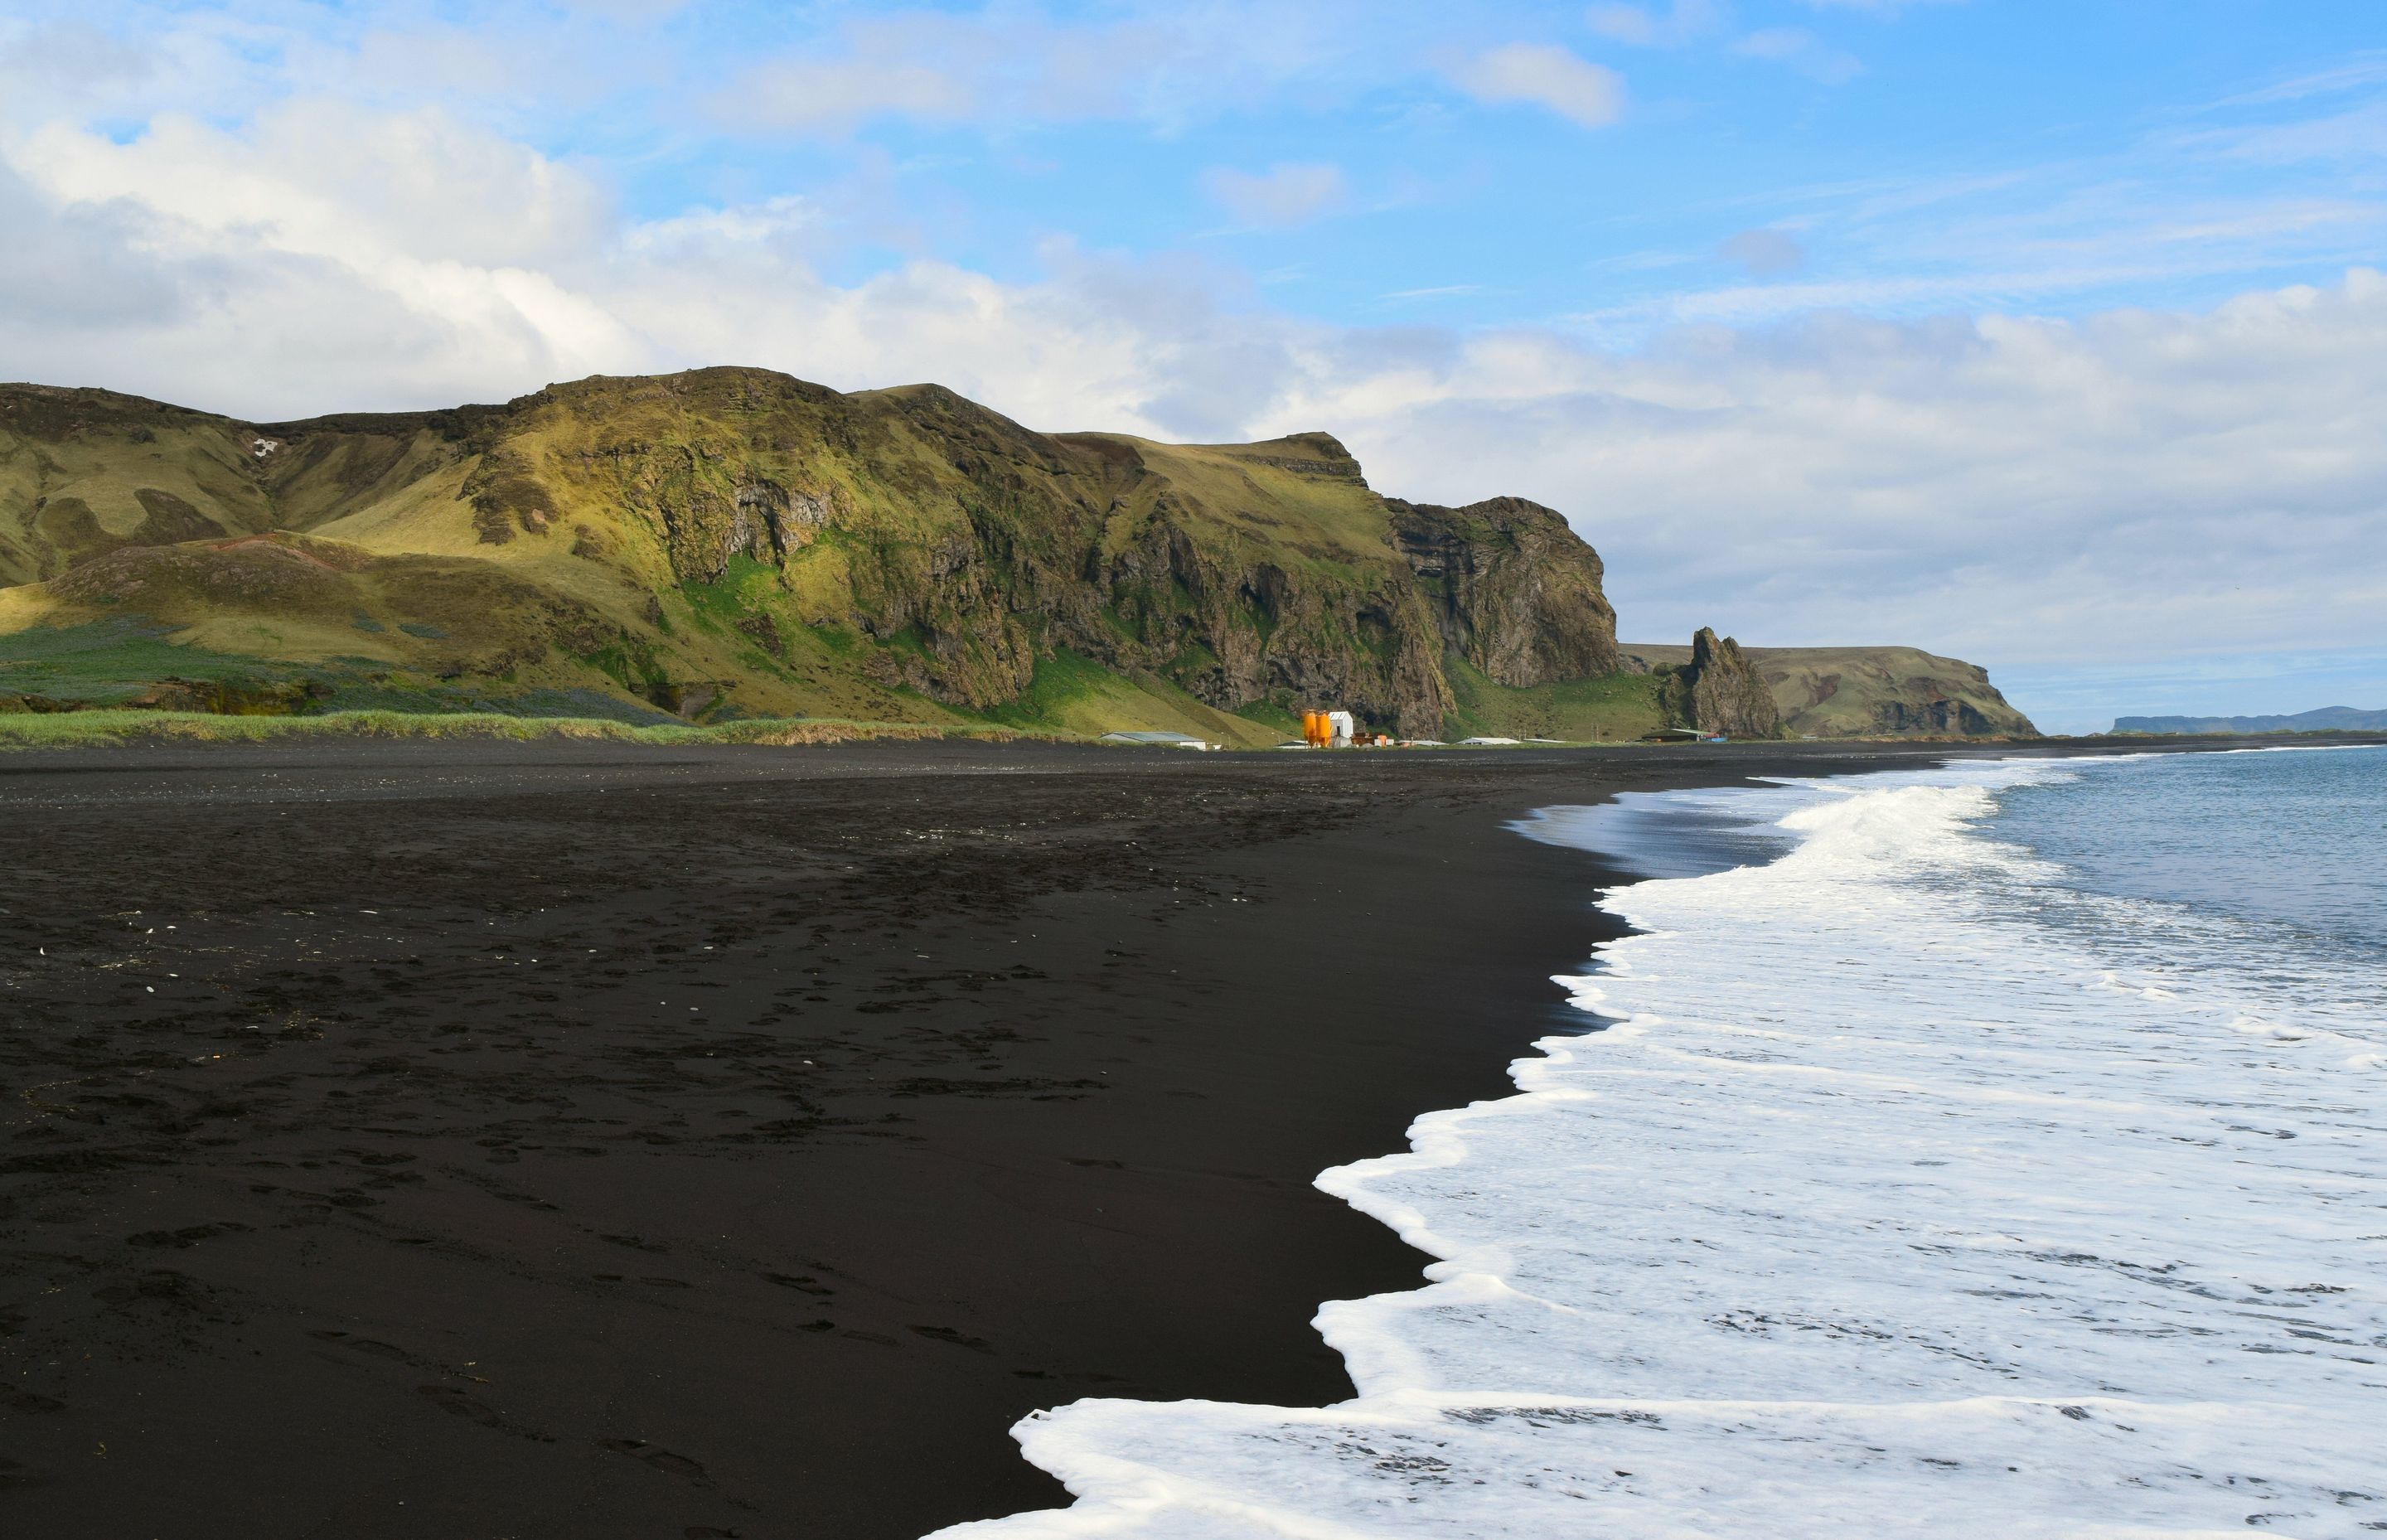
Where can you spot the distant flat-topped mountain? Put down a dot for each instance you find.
(734, 542)
(1869, 691)
(2326, 719)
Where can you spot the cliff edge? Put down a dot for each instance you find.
(735, 541)
(1717, 690)
(1867, 691)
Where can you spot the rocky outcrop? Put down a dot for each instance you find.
(806, 549)
(1513, 589)
(1720, 692)
(1931, 719)
(967, 548)
(1868, 691)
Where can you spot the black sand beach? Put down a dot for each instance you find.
(477, 1140)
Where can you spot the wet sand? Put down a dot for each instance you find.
(474, 1141)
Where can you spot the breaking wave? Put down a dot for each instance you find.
(1904, 1184)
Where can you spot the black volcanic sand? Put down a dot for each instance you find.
(465, 1140)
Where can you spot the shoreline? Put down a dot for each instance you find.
(1009, 1074)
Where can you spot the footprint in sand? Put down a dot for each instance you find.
(959, 1339)
(365, 1345)
(455, 1403)
(662, 1459)
(636, 1243)
(189, 1236)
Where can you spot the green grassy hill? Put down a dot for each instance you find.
(733, 543)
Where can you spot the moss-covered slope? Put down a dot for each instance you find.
(733, 541)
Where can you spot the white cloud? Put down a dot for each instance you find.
(634, 11)
(1875, 8)
(1007, 65)
(1629, 24)
(1765, 253)
(69, 57)
(328, 253)
(1688, 22)
(1284, 195)
(2367, 70)
(840, 94)
(1802, 51)
(331, 180)
(772, 223)
(2358, 134)
(2021, 492)
(66, 269)
(1643, 26)
(2029, 493)
(204, 64)
(440, 62)
(1546, 75)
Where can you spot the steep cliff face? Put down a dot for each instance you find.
(1717, 690)
(1869, 691)
(967, 547)
(1513, 589)
(760, 544)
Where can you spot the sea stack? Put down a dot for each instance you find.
(1721, 693)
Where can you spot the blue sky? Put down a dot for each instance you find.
(1905, 158)
(2049, 335)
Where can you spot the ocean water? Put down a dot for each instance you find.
(1998, 1150)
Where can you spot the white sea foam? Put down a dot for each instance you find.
(1911, 1192)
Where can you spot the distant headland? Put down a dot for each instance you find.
(2327, 719)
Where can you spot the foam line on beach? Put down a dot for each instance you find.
(1906, 1188)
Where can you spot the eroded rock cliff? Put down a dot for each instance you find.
(1512, 588)
(1720, 692)
(1868, 691)
(770, 546)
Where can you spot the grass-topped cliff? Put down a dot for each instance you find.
(735, 543)
(732, 545)
(1867, 691)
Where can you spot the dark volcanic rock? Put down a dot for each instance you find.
(1514, 591)
(1721, 692)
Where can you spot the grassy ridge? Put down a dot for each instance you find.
(115, 728)
(1611, 708)
(1075, 694)
(97, 668)
(108, 662)
(717, 546)
(110, 670)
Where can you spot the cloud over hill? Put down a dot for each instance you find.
(267, 227)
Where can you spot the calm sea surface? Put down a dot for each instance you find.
(2295, 836)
